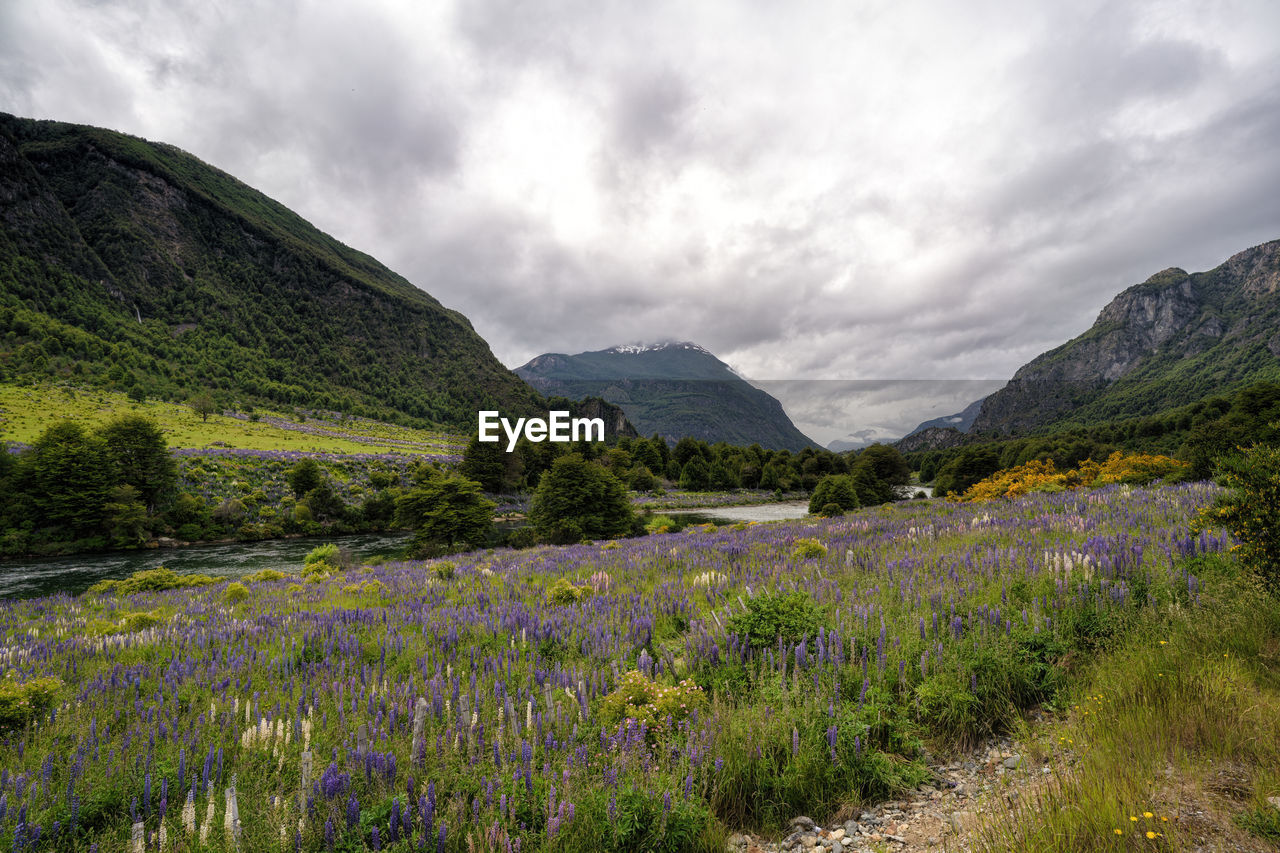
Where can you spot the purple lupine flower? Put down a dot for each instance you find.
(353, 812)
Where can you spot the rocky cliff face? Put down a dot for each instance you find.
(931, 438)
(1171, 340)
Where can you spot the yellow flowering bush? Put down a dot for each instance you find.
(648, 702)
(1041, 475)
(1035, 476)
(1137, 469)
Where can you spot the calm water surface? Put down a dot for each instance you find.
(75, 574)
(781, 511)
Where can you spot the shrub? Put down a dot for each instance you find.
(791, 616)
(318, 571)
(564, 592)
(657, 706)
(1139, 469)
(579, 500)
(1251, 510)
(21, 703)
(326, 553)
(831, 511)
(235, 593)
(138, 621)
(660, 524)
(837, 490)
(808, 549)
(264, 575)
(447, 512)
(152, 580)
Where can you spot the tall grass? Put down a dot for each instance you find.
(1182, 718)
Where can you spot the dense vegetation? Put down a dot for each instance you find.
(119, 486)
(131, 265)
(1199, 434)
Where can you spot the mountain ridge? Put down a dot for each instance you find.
(132, 264)
(672, 389)
(1171, 340)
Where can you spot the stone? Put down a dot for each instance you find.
(808, 840)
(837, 847)
(837, 834)
(1013, 762)
(802, 821)
(962, 820)
(738, 841)
(1275, 801)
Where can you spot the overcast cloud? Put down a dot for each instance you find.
(816, 191)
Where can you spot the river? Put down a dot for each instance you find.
(76, 573)
(28, 578)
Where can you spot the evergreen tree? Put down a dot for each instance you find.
(695, 476)
(137, 448)
(444, 509)
(485, 462)
(578, 500)
(70, 477)
(304, 476)
(834, 489)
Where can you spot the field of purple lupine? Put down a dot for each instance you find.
(645, 694)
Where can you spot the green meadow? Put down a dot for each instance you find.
(25, 411)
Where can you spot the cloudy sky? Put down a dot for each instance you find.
(814, 191)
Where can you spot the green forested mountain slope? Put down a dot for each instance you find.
(1172, 340)
(134, 265)
(674, 390)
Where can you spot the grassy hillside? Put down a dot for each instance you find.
(26, 411)
(133, 266)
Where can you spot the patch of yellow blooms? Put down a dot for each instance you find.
(1041, 475)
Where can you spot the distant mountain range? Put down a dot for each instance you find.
(671, 389)
(133, 265)
(960, 421)
(1174, 339)
(859, 439)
